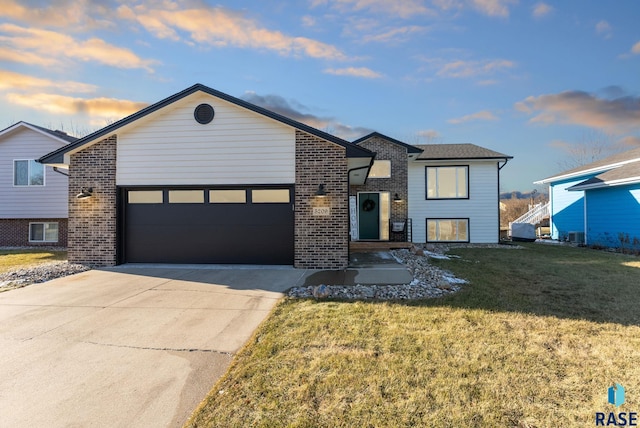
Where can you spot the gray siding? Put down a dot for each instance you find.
(48, 201)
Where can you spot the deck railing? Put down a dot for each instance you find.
(535, 215)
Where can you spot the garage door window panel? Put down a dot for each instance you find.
(145, 196)
(186, 196)
(270, 196)
(228, 196)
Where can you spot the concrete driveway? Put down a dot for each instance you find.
(127, 346)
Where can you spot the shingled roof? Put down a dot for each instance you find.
(626, 174)
(605, 164)
(61, 135)
(457, 151)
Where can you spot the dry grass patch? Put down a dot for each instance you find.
(15, 259)
(534, 341)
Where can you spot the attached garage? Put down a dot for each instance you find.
(244, 225)
(204, 177)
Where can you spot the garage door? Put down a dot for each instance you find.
(208, 225)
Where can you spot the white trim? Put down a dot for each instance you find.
(585, 222)
(612, 183)
(21, 124)
(602, 168)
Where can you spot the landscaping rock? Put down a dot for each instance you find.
(37, 274)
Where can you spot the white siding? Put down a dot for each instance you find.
(481, 208)
(237, 147)
(48, 201)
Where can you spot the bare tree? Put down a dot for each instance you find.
(593, 145)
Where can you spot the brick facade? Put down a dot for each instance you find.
(321, 242)
(397, 184)
(14, 232)
(92, 221)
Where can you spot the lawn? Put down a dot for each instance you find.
(535, 340)
(16, 259)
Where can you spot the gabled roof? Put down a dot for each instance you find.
(457, 151)
(602, 165)
(61, 136)
(410, 148)
(57, 157)
(625, 174)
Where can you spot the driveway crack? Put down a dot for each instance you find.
(152, 348)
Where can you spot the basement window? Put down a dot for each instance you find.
(43, 232)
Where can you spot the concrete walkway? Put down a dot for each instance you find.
(128, 346)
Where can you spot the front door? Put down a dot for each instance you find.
(369, 215)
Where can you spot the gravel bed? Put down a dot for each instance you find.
(37, 274)
(429, 281)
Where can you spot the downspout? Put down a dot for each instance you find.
(499, 214)
(585, 217)
(349, 196)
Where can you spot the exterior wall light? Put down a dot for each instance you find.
(397, 198)
(85, 193)
(321, 192)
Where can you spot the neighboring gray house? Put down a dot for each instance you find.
(204, 177)
(33, 197)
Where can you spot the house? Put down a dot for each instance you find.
(204, 177)
(428, 193)
(597, 203)
(33, 197)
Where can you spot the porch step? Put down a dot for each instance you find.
(371, 246)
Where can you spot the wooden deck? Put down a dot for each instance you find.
(371, 246)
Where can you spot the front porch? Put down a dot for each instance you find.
(374, 246)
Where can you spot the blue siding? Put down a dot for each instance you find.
(567, 208)
(614, 213)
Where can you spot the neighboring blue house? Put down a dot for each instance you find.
(598, 203)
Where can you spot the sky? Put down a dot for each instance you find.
(531, 79)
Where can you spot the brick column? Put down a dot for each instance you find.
(92, 221)
(321, 242)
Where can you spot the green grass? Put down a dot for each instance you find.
(534, 341)
(16, 259)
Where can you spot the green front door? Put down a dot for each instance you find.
(369, 216)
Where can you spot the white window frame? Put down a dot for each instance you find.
(438, 220)
(44, 232)
(379, 163)
(44, 169)
(437, 183)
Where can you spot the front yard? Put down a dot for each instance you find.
(534, 341)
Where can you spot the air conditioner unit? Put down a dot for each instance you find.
(576, 237)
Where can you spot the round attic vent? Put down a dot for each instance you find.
(203, 114)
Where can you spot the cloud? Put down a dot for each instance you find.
(219, 27)
(55, 48)
(581, 108)
(355, 72)
(73, 15)
(604, 29)
(108, 108)
(466, 69)
(635, 49)
(12, 81)
(493, 7)
(481, 115)
(429, 133)
(395, 35)
(294, 110)
(541, 9)
(399, 8)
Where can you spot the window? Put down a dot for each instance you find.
(43, 232)
(145, 196)
(28, 173)
(227, 196)
(448, 230)
(266, 196)
(186, 196)
(447, 182)
(380, 169)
